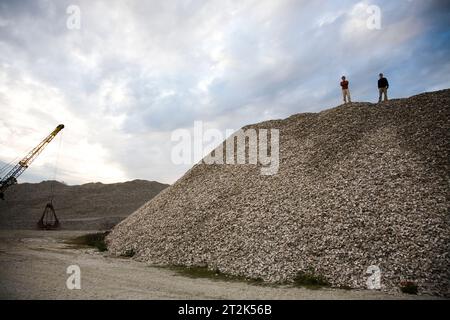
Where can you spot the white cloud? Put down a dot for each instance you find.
(136, 70)
(30, 111)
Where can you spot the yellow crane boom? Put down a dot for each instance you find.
(11, 177)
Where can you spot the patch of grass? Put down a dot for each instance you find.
(96, 240)
(344, 287)
(310, 280)
(409, 287)
(213, 274)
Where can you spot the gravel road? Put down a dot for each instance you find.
(33, 265)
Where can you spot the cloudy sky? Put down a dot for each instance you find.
(134, 71)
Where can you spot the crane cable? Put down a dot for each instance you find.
(8, 166)
(52, 186)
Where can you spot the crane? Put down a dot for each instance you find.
(11, 177)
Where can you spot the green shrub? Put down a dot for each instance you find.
(409, 287)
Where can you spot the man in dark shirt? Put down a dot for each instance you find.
(345, 90)
(383, 86)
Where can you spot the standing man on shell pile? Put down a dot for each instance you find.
(383, 86)
(345, 90)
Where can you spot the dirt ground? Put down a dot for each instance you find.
(33, 265)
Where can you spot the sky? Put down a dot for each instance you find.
(122, 76)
